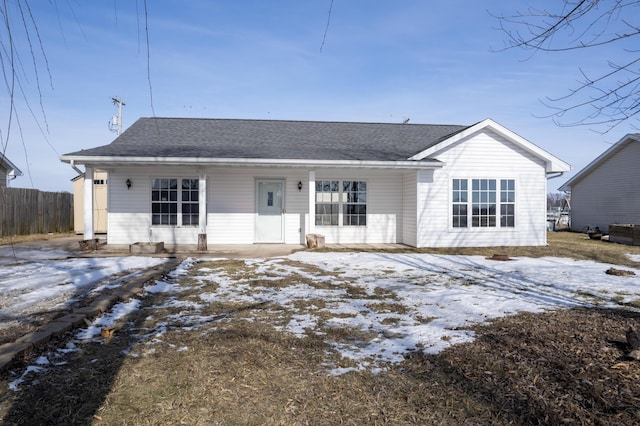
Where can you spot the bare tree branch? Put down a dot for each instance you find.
(608, 99)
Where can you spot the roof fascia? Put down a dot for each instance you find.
(600, 159)
(115, 160)
(553, 163)
(10, 167)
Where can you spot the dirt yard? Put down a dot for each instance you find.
(560, 367)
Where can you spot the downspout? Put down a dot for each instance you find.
(80, 172)
(555, 176)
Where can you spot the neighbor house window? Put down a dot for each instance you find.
(167, 208)
(341, 203)
(487, 201)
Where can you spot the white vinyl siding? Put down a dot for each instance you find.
(609, 193)
(129, 215)
(231, 204)
(484, 155)
(231, 214)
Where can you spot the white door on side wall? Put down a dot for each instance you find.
(269, 222)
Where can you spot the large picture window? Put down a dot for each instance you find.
(341, 203)
(169, 209)
(487, 201)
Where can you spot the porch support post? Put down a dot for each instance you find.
(88, 203)
(202, 212)
(312, 202)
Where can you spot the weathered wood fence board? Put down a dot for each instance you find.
(625, 234)
(29, 211)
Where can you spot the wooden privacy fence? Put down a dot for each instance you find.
(29, 211)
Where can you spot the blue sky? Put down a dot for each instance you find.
(382, 61)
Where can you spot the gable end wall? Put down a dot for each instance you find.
(610, 193)
(483, 155)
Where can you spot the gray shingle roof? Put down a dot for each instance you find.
(272, 139)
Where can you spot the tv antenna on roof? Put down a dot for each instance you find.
(115, 125)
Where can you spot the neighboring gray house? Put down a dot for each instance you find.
(607, 190)
(7, 170)
(185, 181)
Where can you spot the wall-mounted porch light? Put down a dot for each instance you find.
(299, 185)
(128, 183)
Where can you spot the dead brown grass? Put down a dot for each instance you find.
(17, 239)
(559, 244)
(564, 367)
(529, 369)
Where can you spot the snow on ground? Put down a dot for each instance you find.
(404, 302)
(41, 279)
(431, 299)
(634, 257)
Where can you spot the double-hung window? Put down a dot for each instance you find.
(341, 203)
(327, 202)
(460, 201)
(483, 204)
(491, 203)
(507, 203)
(170, 205)
(354, 196)
(190, 206)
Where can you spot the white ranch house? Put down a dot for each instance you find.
(229, 181)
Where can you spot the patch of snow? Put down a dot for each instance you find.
(633, 257)
(119, 310)
(14, 385)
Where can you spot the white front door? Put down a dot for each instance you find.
(269, 222)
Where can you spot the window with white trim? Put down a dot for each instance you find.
(190, 206)
(507, 202)
(481, 210)
(341, 203)
(460, 201)
(483, 203)
(167, 208)
(327, 202)
(354, 195)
